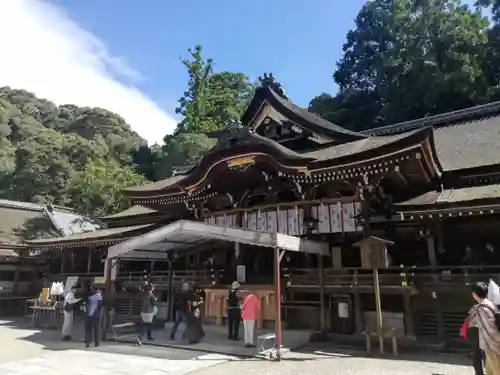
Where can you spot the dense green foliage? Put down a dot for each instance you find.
(413, 58)
(44, 149)
(213, 101)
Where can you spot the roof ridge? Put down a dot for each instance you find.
(448, 118)
(30, 206)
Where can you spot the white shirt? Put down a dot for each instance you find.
(70, 298)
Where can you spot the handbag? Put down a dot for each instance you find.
(464, 328)
(147, 317)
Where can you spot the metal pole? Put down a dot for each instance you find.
(378, 304)
(277, 293)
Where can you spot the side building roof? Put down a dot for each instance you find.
(19, 218)
(468, 138)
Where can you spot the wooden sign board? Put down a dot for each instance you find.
(241, 162)
(373, 252)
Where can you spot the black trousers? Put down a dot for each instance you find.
(92, 330)
(477, 353)
(233, 322)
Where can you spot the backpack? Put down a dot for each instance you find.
(496, 315)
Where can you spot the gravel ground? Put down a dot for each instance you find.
(19, 344)
(341, 364)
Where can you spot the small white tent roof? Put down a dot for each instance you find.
(183, 234)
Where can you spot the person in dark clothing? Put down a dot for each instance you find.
(148, 310)
(477, 353)
(234, 311)
(194, 328)
(93, 312)
(182, 305)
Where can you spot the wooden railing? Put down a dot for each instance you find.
(159, 278)
(395, 276)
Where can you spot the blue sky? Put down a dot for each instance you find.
(124, 55)
(299, 41)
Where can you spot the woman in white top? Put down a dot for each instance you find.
(68, 308)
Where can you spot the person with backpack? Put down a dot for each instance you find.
(486, 317)
(470, 332)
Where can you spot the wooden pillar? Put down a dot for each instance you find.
(17, 274)
(108, 296)
(358, 311)
(322, 294)
(337, 257)
(89, 260)
(63, 253)
(72, 255)
(431, 249)
(409, 327)
(378, 305)
(170, 292)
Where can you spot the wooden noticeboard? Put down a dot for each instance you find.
(373, 251)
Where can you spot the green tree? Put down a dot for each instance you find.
(182, 150)
(96, 190)
(212, 101)
(42, 146)
(409, 59)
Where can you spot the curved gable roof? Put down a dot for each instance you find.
(299, 115)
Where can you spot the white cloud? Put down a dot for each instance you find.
(44, 52)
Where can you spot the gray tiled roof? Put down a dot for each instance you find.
(136, 210)
(467, 138)
(450, 196)
(355, 147)
(468, 145)
(15, 215)
(106, 233)
(158, 185)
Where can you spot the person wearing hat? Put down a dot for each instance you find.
(234, 311)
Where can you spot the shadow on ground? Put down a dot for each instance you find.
(19, 329)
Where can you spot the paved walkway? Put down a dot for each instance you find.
(216, 341)
(26, 351)
(342, 363)
(96, 362)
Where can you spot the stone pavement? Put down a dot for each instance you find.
(342, 363)
(29, 351)
(96, 362)
(216, 341)
(26, 351)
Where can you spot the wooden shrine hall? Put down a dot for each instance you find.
(428, 187)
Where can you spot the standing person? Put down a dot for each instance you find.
(234, 311)
(250, 310)
(182, 301)
(483, 316)
(93, 312)
(194, 328)
(69, 306)
(147, 314)
(470, 332)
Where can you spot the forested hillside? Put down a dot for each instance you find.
(64, 155)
